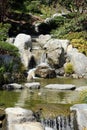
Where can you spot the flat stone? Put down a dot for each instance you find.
(81, 115)
(33, 85)
(16, 86)
(61, 86)
(12, 86)
(82, 88)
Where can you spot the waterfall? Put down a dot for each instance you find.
(60, 123)
(43, 58)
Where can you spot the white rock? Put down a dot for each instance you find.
(28, 126)
(16, 86)
(18, 115)
(61, 86)
(24, 44)
(23, 41)
(82, 88)
(33, 85)
(81, 115)
(21, 119)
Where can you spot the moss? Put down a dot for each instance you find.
(6, 48)
(69, 68)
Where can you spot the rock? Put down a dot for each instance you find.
(23, 41)
(48, 128)
(12, 86)
(17, 116)
(28, 126)
(61, 86)
(55, 53)
(82, 88)
(34, 85)
(79, 62)
(10, 40)
(81, 115)
(44, 71)
(60, 71)
(42, 39)
(24, 44)
(64, 43)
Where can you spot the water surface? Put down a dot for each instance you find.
(52, 102)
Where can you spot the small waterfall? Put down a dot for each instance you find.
(60, 123)
(43, 58)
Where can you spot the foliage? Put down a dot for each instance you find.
(75, 35)
(9, 49)
(76, 24)
(4, 31)
(69, 68)
(80, 44)
(33, 6)
(83, 96)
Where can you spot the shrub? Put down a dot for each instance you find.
(80, 44)
(76, 24)
(8, 48)
(75, 35)
(69, 68)
(4, 28)
(32, 6)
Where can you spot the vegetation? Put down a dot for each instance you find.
(6, 48)
(69, 68)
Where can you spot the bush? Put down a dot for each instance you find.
(4, 28)
(75, 35)
(76, 24)
(32, 6)
(69, 68)
(9, 48)
(80, 44)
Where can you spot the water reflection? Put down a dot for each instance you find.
(52, 101)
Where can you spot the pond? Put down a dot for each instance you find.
(52, 102)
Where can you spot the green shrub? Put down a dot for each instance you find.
(4, 28)
(80, 44)
(71, 25)
(75, 35)
(69, 68)
(32, 6)
(9, 48)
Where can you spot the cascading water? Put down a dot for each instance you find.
(60, 123)
(43, 58)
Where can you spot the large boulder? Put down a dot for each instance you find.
(28, 126)
(55, 52)
(44, 71)
(19, 118)
(24, 44)
(81, 115)
(78, 60)
(42, 39)
(23, 41)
